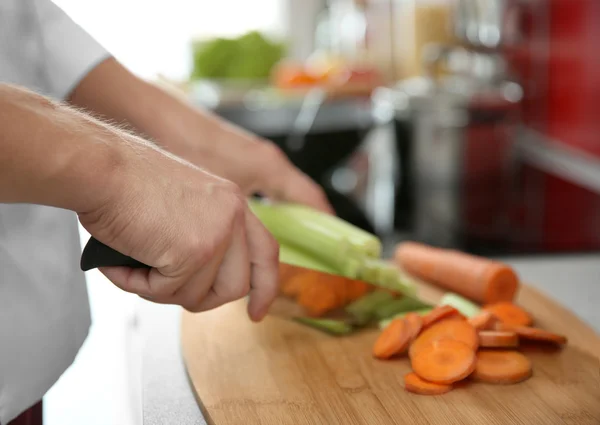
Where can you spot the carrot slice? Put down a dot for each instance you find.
(510, 313)
(458, 330)
(414, 384)
(534, 334)
(498, 339)
(444, 361)
(394, 339)
(437, 314)
(476, 278)
(415, 324)
(482, 321)
(502, 367)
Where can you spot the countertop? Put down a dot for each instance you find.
(572, 280)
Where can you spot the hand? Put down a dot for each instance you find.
(207, 141)
(195, 229)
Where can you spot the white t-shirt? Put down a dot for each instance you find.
(44, 310)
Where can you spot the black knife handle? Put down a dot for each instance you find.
(96, 254)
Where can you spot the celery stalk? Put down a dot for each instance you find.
(401, 305)
(307, 235)
(296, 257)
(466, 307)
(368, 244)
(362, 310)
(385, 275)
(421, 312)
(334, 327)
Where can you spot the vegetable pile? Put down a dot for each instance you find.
(445, 347)
(334, 271)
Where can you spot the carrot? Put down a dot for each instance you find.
(439, 313)
(444, 361)
(458, 330)
(356, 289)
(502, 367)
(476, 278)
(509, 313)
(393, 340)
(415, 324)
(414, 384)
(498, 339)
(483, 321)
(534, 334)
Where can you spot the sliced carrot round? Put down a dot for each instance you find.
(414, 384)
(502, 367)
(510, 313)
(498, 339)
(393, 340)
(533, 334)
(438, 313)
(482, 321)
(458, 330)
(415, 323)
(444, 361)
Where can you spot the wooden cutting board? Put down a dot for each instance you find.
(281, 373)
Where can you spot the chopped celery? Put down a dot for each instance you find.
(334, 327)
(362, 310)
(466, 307)
(401, 305)
(296, 257)
(422, 312)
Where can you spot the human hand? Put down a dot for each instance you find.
(194, 229)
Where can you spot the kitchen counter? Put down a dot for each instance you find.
(572, 280)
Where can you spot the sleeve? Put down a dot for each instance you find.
(69, 53)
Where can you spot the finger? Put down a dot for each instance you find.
(264, 259)
(233, 278)
(299, 188)
(128, 279)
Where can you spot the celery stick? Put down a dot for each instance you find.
(334, 327)
(306, 234)
(466, 307)
(421, 312)
(395, 306)
(369, 244)
(362, 310)
(385, 275)
(296, 257)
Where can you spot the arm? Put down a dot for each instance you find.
(204, 245)
(112, 92)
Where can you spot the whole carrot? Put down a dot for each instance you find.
(476, 278)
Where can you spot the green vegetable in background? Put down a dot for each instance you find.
(251, 56)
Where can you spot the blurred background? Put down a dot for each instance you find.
(463, 123)
(472, 124)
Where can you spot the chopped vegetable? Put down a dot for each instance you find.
(363, 309)
(498, 339)
(386, 275)
(502, 367)
(466, 307)
(534, 334)
(414, 384)
(421, 312)
(478, 279)
(400, 305)
(439, 313)
(334, 327)
(414, 323)
(510, 313)
(483, 321)
(293, 256)
(393, 340)
(458, 330)
(444, 361)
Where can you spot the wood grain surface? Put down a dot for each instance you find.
(281, 373)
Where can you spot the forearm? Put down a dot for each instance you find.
(112, 93)
(51, 155)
